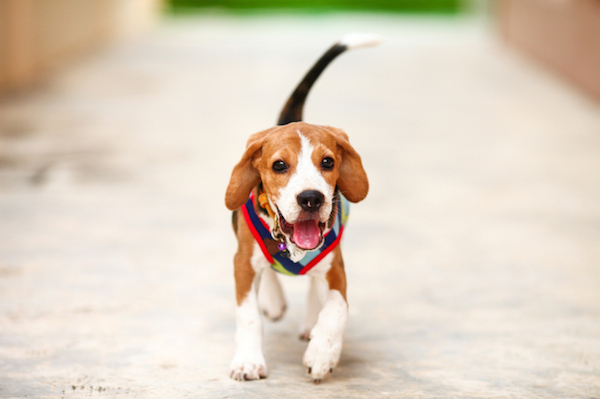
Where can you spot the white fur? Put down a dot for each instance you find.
(271, 299)
(258, 260)
(306, 176)
(248, 362)
(358, 40)
(325, 346)
(317, 295)
(322, 267)
(324, 322)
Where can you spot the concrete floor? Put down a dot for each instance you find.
(474, 264)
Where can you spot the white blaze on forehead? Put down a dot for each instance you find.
(306, 176)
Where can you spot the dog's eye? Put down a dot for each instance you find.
(280, 166)
(327, 163)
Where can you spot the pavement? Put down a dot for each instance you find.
(473, 264)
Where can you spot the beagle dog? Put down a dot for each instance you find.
(289, 195)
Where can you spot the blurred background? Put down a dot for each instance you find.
(38, 36)
(473, 264)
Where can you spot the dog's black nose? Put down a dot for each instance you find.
(310, 200)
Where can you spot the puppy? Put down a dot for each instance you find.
(289, 195)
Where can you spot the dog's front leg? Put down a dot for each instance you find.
(248, 361)
(317, 295)
(271, 299)
(325, 346)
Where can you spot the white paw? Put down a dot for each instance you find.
(272, 310)
(321, 356)
(304, 335)
(245, 371)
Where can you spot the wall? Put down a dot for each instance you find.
(38, 36)
(563, 35)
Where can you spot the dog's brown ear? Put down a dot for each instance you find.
(245, 176)
(352, 182)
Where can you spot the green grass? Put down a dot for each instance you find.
(398, 6)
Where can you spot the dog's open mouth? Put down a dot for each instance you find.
(306, 233)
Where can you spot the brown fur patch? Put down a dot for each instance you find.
(283, 143)
(284, 146)
(336, 276)
(243, 272)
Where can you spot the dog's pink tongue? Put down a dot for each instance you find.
(307, 234)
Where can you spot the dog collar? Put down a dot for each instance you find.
(274, 251)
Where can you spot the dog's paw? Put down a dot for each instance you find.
(273, 311)
(246, 371)
(305, 332)
(321, 356)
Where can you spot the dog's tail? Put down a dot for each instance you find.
(292, 111)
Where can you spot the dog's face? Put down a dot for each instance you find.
(300, 165)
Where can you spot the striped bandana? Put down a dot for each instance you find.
(262, 234)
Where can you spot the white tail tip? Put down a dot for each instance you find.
(358, 40)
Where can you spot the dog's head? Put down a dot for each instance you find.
(300, 166)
